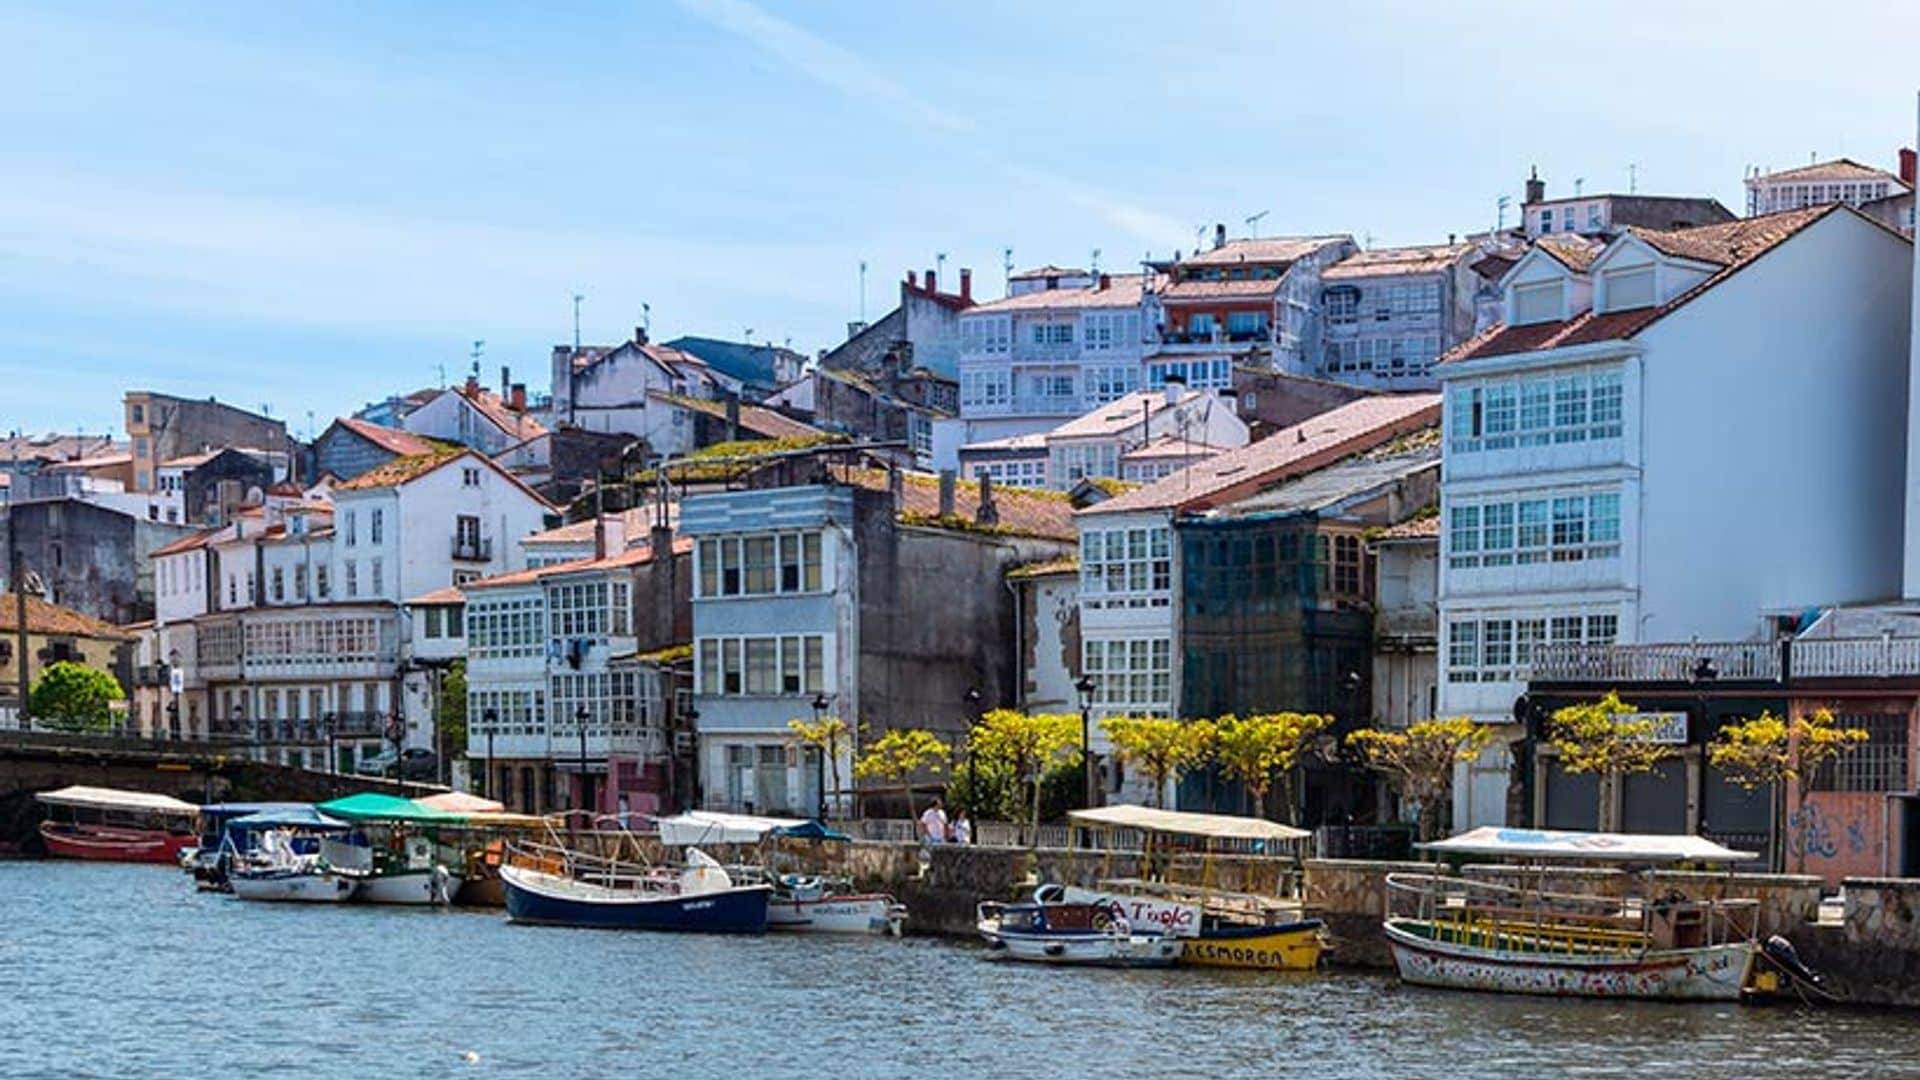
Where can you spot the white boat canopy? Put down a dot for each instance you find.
(708, 827)
(100, 798)
(1591, 846)
(1215, 826)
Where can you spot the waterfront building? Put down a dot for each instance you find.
(880, 596)
(1130, 565)
(54, 635)
(1406, 621)
(161, 426)
(1611, 442)
(1257, 302)
(1840, 180)
(1391, 312)
(1603, 216)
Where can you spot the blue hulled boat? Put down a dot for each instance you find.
(556, 887)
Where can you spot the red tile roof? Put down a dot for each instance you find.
(188, 543)
(1048, 271)
(439, 598)
(760, 421)
(1122, 291)
(1424, 527)
(1287, 453)
(489, 404)
(1837, 169)
(1730, 246)
(404, 470)
(1273, 249)
(1382, 262)
(1023, 511)
(633, 556)
(1576, 253)
(392, 440)
(56, 621)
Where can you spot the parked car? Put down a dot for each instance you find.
(415, 763)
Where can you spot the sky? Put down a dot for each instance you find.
(310, 207)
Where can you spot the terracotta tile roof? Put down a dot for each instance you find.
(633, 556)
(1426, 526)
(1173, 446)
(439, 598)
(1050, 568)
(489, 404)
(1837, 169)
(188, 461)
(1576, 253)
(1273, 249)
(1048, 271)
(57, 621)
(1730, 246)
(392, 440)
(1033, 441)
(57, 447)
(99, 461)
(1121, 414)
(760, 421)
(1122, 291)
(634, 523)
(404, 470)
(1289, 452)
(1023, 511)
(1240, 289)
(188, 543)
(1382, 262)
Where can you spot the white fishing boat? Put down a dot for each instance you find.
(311, 882)
(409, 876)
(1084, 935)
(284, 861)
(822, 905)
(1467, 934)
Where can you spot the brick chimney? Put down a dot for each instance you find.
(913, 280)
(966, 281)
(1219, 237)
(517, 397)
(473, 386)
(1536, 187)
(1907, 165)
(988, 514)
(946, 493)
(933, 283)
(639, 335)
(1106, 282)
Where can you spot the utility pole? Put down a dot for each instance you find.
(16, 573)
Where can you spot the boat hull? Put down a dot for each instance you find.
(1708, 973)
(101, 844)
(416, 887)
(1083, 950)
(546, 899)
(293, 887)
(1285, 947)
(875, 914)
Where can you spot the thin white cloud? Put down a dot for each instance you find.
(844, 70)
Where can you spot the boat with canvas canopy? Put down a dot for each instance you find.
(1219, 928)
(805, 903)
(392, 851)
(1463, 933)
(111, 825)
(283, 861)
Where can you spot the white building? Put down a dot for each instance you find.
(1092, 446)
(1841, 180)
(614, 389)
(1687, 436)
(1061, 342)
(471, 415)
(1391, 312)
(1253, 301)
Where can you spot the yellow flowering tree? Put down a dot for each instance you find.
(1161, 747)
(823, 736)
(1767, 751)
(1608, 738)
(1026, 745)
(1257, 750)
(1419, 762)
(900, 755)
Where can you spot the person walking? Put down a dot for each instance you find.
(960, 830)
(933, 824)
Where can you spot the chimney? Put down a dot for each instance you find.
(1219, 237)
(1106, 282)
(932, 284)
(506, 382)
(946, 493)
(913, 280)
(1536, 187)
(639, 335)
(733, 418)
(897, 489)
(517, 397)
(1176, 388)
(1907, 165)
(600, 538)
(966, 282)
(473, 385)
(988, 514)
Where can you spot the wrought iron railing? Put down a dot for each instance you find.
(1831, 658)
(1729, 661)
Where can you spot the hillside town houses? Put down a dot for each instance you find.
(1621, 442)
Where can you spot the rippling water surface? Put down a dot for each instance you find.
(126, 971)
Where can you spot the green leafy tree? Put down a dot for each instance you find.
(1027, 745)
(1608, 738)
(1258, 750)
(900, 755)
(823, 736)
(450, 712)
(1161, 747)
(1767, 751)
(75, 698)
(1419, 763)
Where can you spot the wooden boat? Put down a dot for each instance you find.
(1213, 940)
(1460, 933)
(409, 876)
(828, 906)
(558, 887)
(1084, 935)
(110, 825)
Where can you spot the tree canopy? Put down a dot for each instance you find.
(74, 697)
(901, 754)
(1161, 747)
(1419, 762)
(1257, 750)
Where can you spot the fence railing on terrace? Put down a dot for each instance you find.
(1831, 658)
(1733, 661)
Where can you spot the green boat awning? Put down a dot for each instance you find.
(374, 806)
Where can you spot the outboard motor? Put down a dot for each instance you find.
(1781, 954)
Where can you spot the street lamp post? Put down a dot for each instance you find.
(333, 758)
(820, 704)
(492, 717)
(1086, 686)
(973, 698)
(580, 720)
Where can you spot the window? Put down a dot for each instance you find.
(509, 625)
(984, 389)
(1133, 675)
(373, 526)
(279, 585)
(1346, 565)
(434, 620)
(1629, 288)
(353, 580)
(1535, 411)
(1546, 221)
(320, 581)
(761, 666)
(351, 517)
(1565, 528)
(762, 564)
(1502, 649)
(1343, 306)
(300, 582)
(1128, 564)
(1104, 383)
(1053, 333)
(379, 579)
(1877, 765)
(1245, 325)
(1201, 326)
(1024, 473)
(1070, 463)
(1537, 303)
(470, 477)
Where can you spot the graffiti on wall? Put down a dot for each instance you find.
(1816, 834)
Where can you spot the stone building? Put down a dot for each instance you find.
(350, 447)
(162, 426)
(91, 558)
(56, 634)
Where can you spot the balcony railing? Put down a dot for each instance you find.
(1844, 658)
(1736, 661)
(473, 548)
(1218, 337)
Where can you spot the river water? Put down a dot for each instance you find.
(126, 971)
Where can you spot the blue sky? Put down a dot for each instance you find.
(313, 208)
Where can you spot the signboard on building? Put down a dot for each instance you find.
(1668, 727)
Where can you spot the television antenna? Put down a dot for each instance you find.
(1006, 266)
(1500, 212)
(479, 347)
(1253, 224)
(1093, 266)
(1633, 177)
(863, 290)
(577, 297)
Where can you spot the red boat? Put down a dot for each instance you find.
(108, 825)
